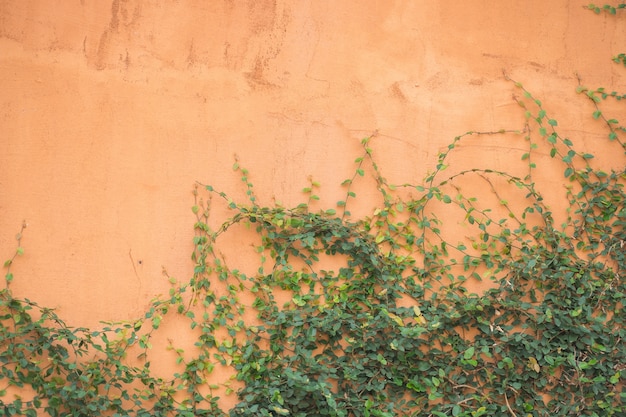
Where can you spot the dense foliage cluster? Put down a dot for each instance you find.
(372, 316)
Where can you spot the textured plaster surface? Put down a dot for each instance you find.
(111, 110)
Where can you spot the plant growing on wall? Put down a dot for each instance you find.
(394, 331)
(612, 10)
(371, 316)
(609, 8)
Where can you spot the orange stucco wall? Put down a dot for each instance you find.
(111, 110)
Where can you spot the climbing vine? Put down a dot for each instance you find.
(369, 316)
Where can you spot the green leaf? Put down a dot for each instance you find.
(552, 122)
(569, 157)
(280, 411)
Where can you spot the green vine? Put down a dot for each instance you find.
(612, 10)
(372, 316)
(608, 8)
